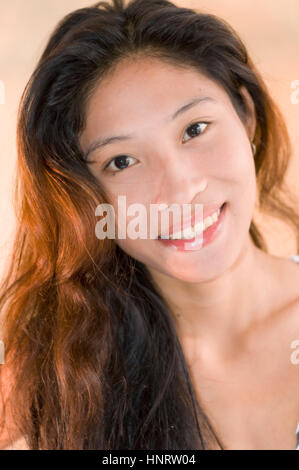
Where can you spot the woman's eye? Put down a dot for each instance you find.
(196, 129)
(119, 163)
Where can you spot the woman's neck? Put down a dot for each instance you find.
(216, 315)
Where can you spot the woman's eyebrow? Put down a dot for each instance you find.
(103, 141)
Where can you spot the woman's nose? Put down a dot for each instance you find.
(181, 180)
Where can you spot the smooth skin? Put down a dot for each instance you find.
(236, 308)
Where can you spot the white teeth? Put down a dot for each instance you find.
(191, 232)
(208, 222)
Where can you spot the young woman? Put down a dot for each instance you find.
(149, 343)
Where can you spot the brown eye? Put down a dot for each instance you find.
(119, 163)
(196, 129)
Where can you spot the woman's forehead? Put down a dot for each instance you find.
(147, 93)
(150, 79)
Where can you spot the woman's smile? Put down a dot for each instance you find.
(213, 227)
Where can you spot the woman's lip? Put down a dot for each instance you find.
(199, 241)
(207, 211)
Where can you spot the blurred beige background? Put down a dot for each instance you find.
(269, 28)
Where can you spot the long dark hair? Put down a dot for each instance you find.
(96, 360)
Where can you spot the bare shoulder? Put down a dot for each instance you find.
(293, 283)
(287, 285)
(286, 313)
(280, 330)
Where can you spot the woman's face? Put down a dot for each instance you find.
(165, 161)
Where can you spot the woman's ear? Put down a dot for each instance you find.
(250, 112)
